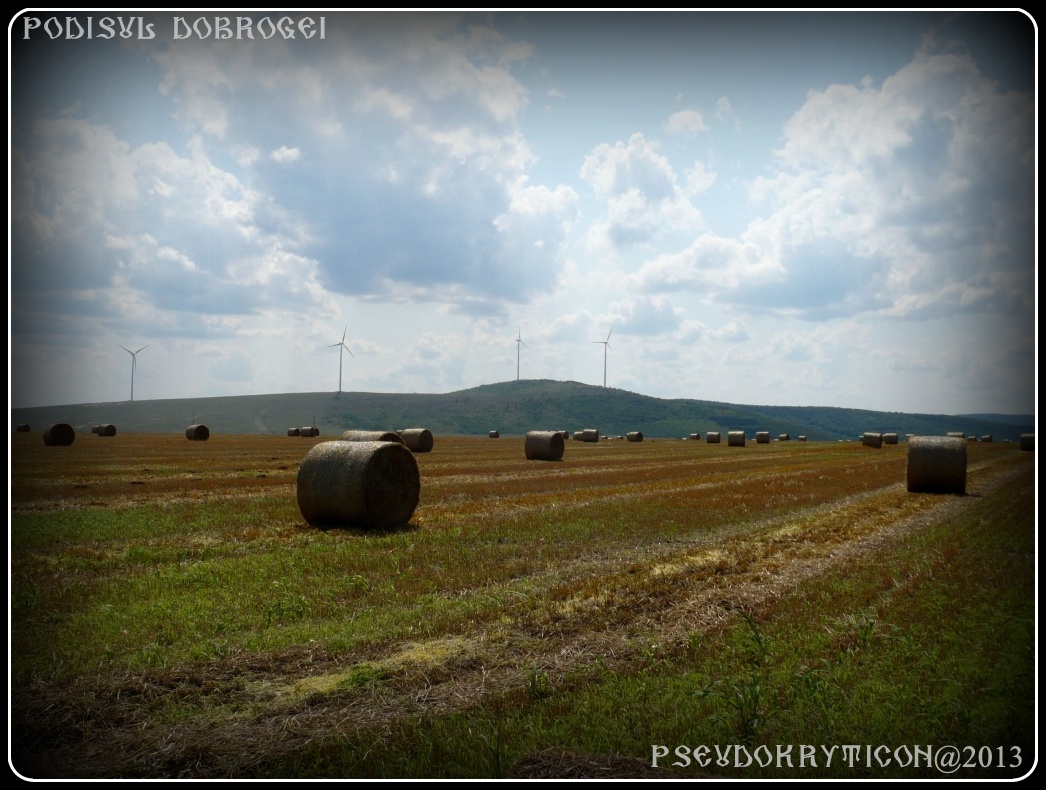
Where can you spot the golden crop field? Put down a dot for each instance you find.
(173, 615)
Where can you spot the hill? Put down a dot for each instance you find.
(512, 407)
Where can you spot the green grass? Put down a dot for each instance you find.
(938, 651)
(628, 597)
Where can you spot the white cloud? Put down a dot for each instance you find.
(896, 198)
(688, 123)
(642, 193)
(284, 155)
(712, 264)
(699, 179)
(645, 315)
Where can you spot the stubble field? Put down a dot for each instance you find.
(172, 614)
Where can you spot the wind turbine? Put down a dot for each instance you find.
(134, 364)
(606, 345)
(341, 356)
(519, 342)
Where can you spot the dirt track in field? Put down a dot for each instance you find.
(254, 709)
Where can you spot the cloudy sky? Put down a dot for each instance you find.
(791, 209)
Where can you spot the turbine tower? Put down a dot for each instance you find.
(606, 345)
(519, 342)
(134, 364)
(341, 356)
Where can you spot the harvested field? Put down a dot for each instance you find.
(174, 616)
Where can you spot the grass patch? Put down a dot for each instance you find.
(564, 618)
(938, 651)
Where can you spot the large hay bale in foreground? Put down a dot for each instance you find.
(889, 438)
(937, 464)
(197, 433)
(543, 446)
(713, 437)
(60, 434)
(872, 439)
(367, 484)
(634, 436)
(736, 438)
(417, 440)
(1028, 441)
(494, 435)
(372, 436)
(762, 437)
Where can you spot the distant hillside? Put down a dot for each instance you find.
(1007, 419)
(512, 407)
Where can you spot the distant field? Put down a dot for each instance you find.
(172, 614)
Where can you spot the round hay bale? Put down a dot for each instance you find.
(106, 429)
(95, 429)
(590, 435)
(543, 446)
(889, 438)
(417, 440)
(494, 435)
(310, 430)
(784, 437)
(23, 428)
(986, 438)
(579, 436)
(761, 437)
(197, 433)
(956, 434)
(59, 435)
(802, 438)
(735, 439)
(565, 435)
(937, 464)
(369, 484)
(695, 437)
(872, 439)
(634, 436)
(713, 437)
(294, 431)
(372, 436)
(1028, 441)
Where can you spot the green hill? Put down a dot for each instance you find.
(512, 407)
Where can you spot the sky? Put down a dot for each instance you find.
(807, 209)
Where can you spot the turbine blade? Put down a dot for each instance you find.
(142, 349)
